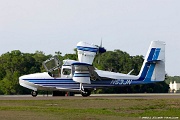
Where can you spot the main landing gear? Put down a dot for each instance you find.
(34, 93)
(86, 93)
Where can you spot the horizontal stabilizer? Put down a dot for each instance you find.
(153, 61)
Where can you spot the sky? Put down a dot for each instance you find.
(58, 25)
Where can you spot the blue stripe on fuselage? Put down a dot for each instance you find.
(69, 83)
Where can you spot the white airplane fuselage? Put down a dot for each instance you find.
(43, 81)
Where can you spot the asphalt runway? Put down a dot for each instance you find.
(93, 96)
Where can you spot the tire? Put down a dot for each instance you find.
(86, 93)
(34, 93)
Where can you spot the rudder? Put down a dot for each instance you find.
(159, 59)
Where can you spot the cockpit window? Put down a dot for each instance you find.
(55, 73)
(66, 71)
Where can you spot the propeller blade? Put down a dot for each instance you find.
(101, 43)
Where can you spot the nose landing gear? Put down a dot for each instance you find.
(34, 93)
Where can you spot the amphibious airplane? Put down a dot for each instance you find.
(81, 76)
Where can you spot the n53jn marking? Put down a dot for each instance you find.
(121, 82)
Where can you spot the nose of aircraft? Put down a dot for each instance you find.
(24, 81)
(27, 77)
(21, 77)
(24, 77)
(35, 76)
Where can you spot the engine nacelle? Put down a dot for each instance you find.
(86, 52)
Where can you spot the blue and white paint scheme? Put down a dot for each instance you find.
(81, 76)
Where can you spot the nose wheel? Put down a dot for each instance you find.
(34, 93)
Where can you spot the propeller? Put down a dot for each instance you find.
(100, 50)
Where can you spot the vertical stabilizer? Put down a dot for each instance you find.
(153, 68)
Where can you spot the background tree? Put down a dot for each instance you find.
(13, 65)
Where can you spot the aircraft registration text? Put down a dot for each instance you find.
(121, 82)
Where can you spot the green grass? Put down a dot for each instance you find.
(88, 109)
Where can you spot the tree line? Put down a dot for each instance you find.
(16, 63)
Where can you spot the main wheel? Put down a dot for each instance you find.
(86, 93)
(34, 93)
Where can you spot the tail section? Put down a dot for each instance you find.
(153, 68)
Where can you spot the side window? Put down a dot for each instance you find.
(66, 71)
